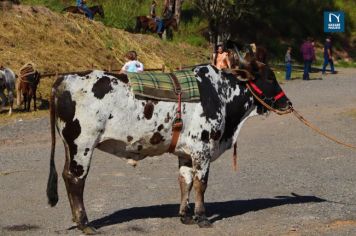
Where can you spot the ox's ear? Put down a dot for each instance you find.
(240, 74)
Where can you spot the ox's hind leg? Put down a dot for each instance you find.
(3, 99)
(74, 175)
(200, 183)
(185, 182)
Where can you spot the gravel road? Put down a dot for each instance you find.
(291, 181)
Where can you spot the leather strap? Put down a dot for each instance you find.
(178, 122)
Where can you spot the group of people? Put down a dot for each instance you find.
(307, 50)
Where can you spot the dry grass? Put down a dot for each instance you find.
(66, 42)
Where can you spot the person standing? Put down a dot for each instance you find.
(307, 51)
(133, 65)
(328, 56)
(288, 61)
(221, 58)
(81, 4)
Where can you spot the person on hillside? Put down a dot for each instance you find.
(288, 61)
(159, 22)
(220, 58)
(307, 52)
(81, 4)
(132, 65)
(328, 56)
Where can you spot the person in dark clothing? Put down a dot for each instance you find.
(328, 56)
(308, 54)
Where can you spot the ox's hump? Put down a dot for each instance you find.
(102, 87)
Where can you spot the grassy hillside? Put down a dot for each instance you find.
(62, 42)
(65, 42)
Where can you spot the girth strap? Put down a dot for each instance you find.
(178, 122)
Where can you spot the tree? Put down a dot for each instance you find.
(221, 14)
(172, 8)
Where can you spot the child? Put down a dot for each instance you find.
(288, 61)
(133, 65)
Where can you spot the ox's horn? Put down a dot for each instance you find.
(241, 59)
(240, 74)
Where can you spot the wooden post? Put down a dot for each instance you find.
(180, 66)
(163, 68)
(110, 65)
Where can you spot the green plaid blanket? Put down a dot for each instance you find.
(160, 86)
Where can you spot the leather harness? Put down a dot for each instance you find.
(178, 122)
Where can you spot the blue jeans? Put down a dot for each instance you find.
(87, 11)
(307, 64)
(326, 62)
(288, 70)
(159, 23)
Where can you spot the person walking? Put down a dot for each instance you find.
(221, 58)
(81, 4)
(133, 65)
(288, 61)
(328, 56)
(307, 51)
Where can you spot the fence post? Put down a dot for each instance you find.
(163, 68)
(180, 66)
(110, 65)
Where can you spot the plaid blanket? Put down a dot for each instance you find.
(160, 86)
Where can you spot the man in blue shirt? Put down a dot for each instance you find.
(82, 6)
(328, 56)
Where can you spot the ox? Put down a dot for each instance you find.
(7, 81)
(123, 125)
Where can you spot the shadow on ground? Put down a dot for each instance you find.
(216, 210)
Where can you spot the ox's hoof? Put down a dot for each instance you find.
(187, 220)
(203, 222)
(87, 230)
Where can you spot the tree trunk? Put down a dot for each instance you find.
(168, 8)
(178, 10)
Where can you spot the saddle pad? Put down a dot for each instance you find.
(160, 86)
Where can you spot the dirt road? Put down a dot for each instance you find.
(290, 180)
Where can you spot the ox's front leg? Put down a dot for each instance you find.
(74, 175)
(11, 101)
(201, 165)
(185, 182)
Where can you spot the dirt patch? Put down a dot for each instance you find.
(341, 223)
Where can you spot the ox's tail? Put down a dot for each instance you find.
(52, 185)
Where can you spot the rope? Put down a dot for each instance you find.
(302, 119)
(316, 129)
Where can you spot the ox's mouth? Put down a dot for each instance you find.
(287, 106)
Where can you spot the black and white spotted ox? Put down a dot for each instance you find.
(98, 110)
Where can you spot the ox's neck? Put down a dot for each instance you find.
(224, 99)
